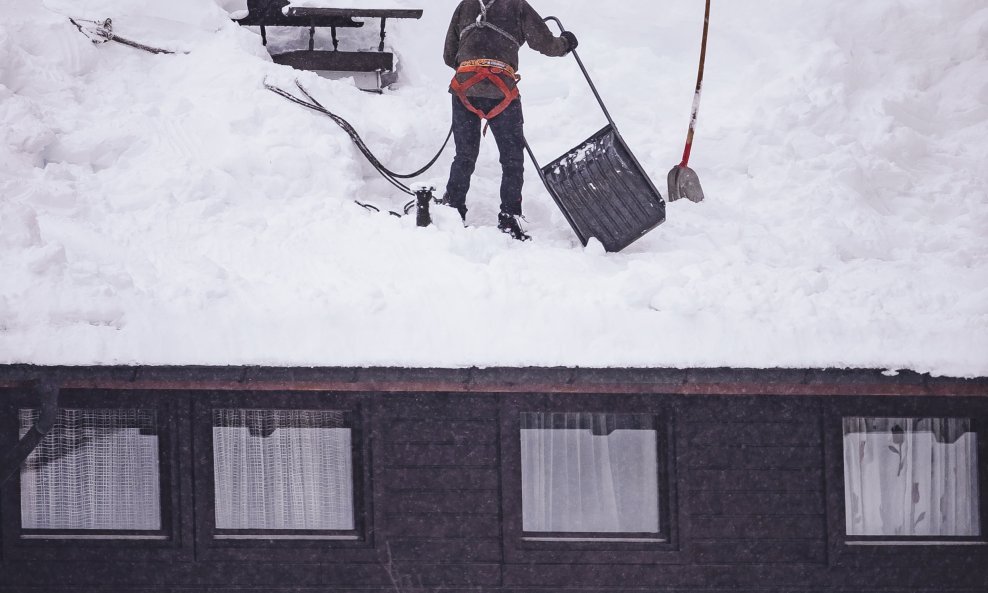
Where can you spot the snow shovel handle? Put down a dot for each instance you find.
(699, 89)
(585, 73)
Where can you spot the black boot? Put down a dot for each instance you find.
(461, 209)
(508, 223)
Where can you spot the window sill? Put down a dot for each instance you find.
(253, 536)
(97, 536)
(916, 543)
(634, 540)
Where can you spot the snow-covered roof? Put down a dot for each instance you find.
(167, 209)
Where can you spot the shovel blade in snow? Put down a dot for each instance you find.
(604, 192)
(684, 183)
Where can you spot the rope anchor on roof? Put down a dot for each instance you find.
(100, 32)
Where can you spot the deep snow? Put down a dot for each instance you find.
(169, 210)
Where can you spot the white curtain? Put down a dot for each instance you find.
(282, 469)
(96, 469)
(590, 473)
(911, 477)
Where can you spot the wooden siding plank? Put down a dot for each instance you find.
(138, 576)
(595, 577)
(757, 528)
(607, 557)
(763, 552)
(724, 434)
(750, 409)
(442, 577)
(754, 503)
(774, 577)
(441, 525)
(441, 479)
(744, 578)
(443, 551)
(247, 577)
(438, 432)
(754, 457)
(718, 479)
(483, 502)
(901, 577)
(437, 406)
(432, 455)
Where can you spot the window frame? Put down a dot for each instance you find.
(856, 549)
(284, 545)
(165, 543)
(592, 548)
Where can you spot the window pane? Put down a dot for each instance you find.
(96, 469)
(911, 477)
(589, 473)
(283, 469)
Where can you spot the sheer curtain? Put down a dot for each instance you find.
(96, 469)
(911, 477)
(283, 469)
(591, 473)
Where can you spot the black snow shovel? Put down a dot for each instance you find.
(683, 181)
(600, 187)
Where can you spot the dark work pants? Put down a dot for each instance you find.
(508, 130)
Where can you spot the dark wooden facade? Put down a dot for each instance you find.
(753, 481)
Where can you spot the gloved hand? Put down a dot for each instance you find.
(570, 39)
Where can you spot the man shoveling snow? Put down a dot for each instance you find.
(482, 46)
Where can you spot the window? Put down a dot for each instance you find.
(589, 479)
(910, 479)
(283, 474)
(283, 477)
(96, 474)
(589, 475)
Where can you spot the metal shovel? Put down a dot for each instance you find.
(600, 186)
(683, 181)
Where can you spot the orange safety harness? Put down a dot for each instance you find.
(485, 69)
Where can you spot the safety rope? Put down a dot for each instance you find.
(360, 143)
(483, 23)
(349, 130)
(99, 26)
(391, 176)
(407, 209)
(104, 32)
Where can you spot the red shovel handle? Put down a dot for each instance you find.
(699, 88)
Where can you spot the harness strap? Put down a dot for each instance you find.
(493, 64)
(492, 70)
(484, 7)
(482, 23)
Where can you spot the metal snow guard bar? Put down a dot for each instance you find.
(600, 186)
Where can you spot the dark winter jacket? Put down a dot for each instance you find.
(515, 17)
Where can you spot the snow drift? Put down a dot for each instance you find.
(169, 210)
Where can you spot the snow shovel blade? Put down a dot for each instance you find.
(604, 192)
(684, 183)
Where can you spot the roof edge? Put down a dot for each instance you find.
(708, 381)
